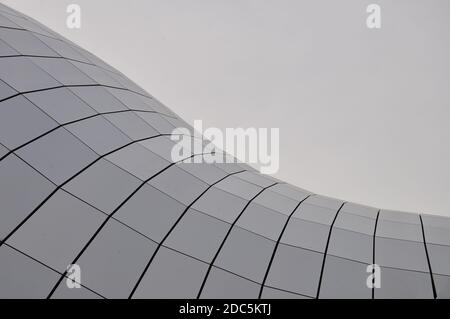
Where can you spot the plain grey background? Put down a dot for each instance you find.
(363, 114)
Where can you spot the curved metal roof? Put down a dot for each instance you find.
(86, 178)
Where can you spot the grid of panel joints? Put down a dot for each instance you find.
(28, 43)
(21, 23)
(70, 50)
(350, 252)
(302, 247)
(196, 273)
(22, 101)
(113, 237)
(401, 253)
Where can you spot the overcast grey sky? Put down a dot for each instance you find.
(363, 114)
